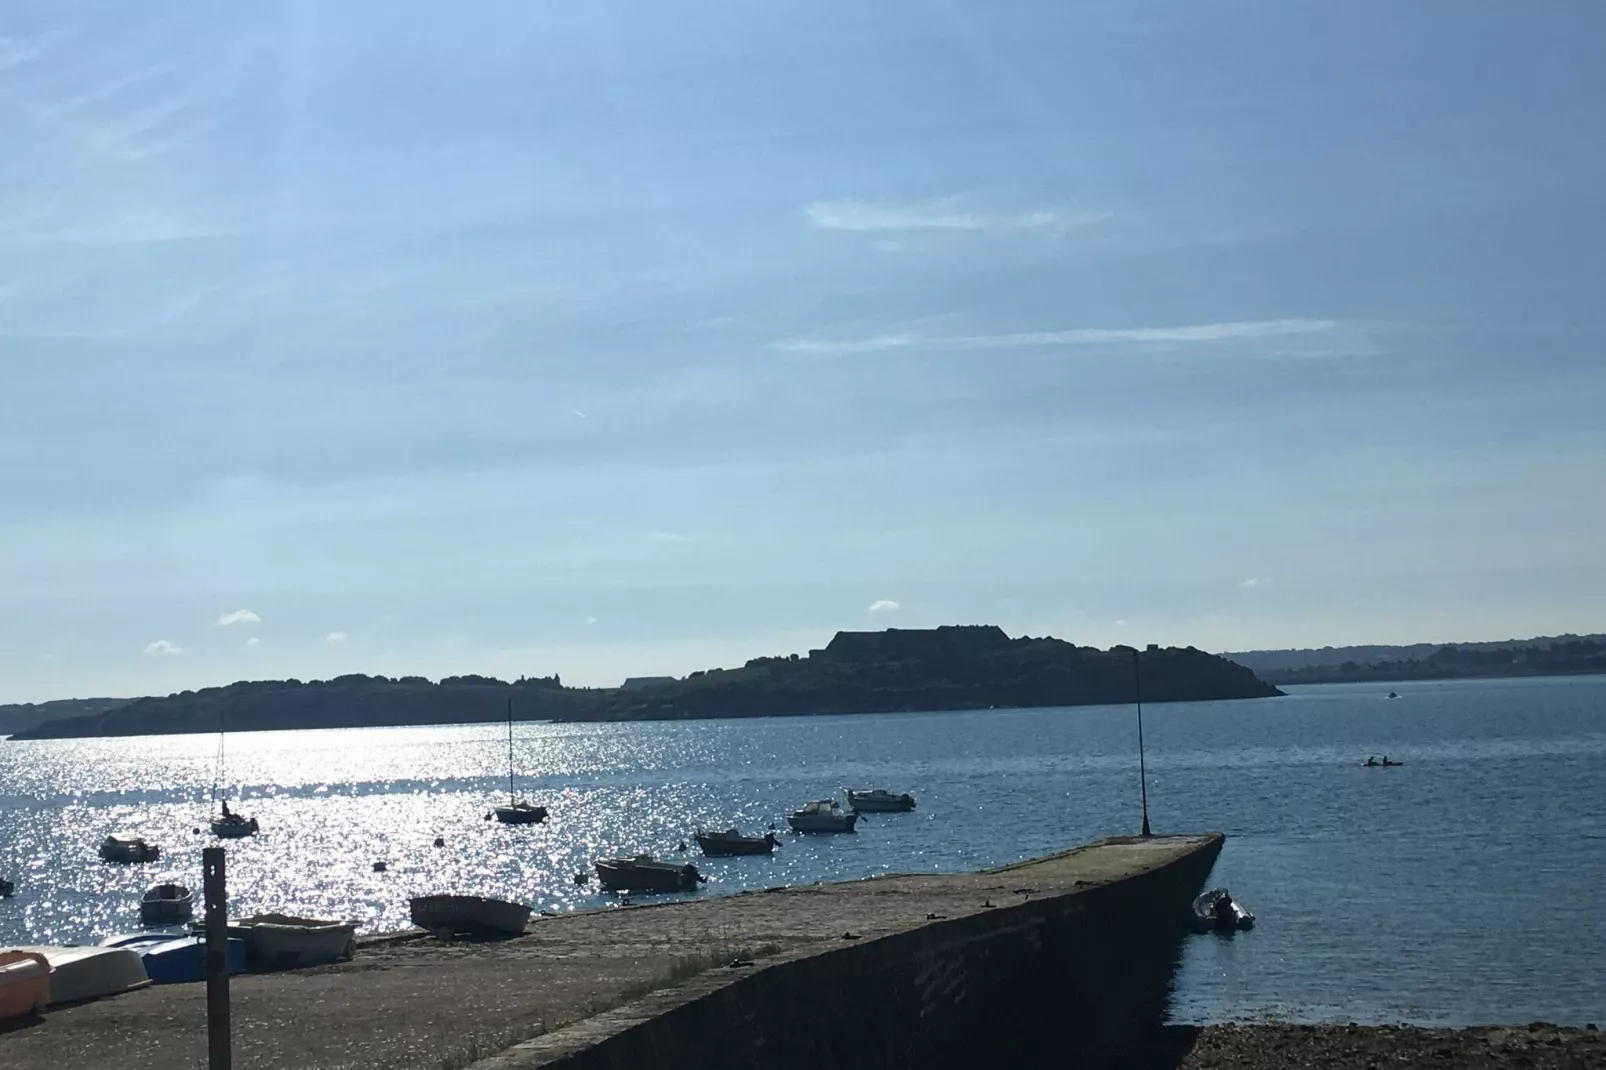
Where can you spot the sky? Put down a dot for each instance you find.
(618, 339)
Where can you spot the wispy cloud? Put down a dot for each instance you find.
(1190, 334)
(336, 637)
(253, 642)
(239, 616)
(1252, 581)
(946, 213)
(883, 605)
(162, 646)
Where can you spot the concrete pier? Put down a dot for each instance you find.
(1068, 956)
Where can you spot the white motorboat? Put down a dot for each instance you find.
(285, 942)
(645, 874)
(127, 848)
(822, 815)
(1217, 911)
(80, 973)
(732, 842)
(166, 904)
(879, 801)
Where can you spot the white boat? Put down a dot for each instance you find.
(166, 904)
(80, 973)
(285, 942)
(126, 847)
(879, 801)
(517, 811)
(822, 815)
(1218, 911)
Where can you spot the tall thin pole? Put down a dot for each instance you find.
(1143, 776)
(512, 796)
(214, 886)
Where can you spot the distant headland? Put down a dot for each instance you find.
(1556, 655)
(947, 668)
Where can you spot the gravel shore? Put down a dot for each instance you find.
(1539, 1046)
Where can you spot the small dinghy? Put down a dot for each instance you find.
(645, 874)
(822, 815)
(1216, 911)
(127, 848)
(171, 958)
(82, 973)
(879, 801)
(732, 842)
(166, 904)
(454, 915)
(284, 942)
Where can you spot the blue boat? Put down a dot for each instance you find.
(173, 958)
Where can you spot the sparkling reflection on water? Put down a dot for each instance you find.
(1461, 887)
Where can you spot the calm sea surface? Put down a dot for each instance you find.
(1467, 886)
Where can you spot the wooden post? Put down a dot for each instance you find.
(219, 1052)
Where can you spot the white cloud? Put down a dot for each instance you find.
(253, 641)
(1253, 581)
(591, 620)
(1120, 624)
(162, 646)
(336, 637)
(1191, 334)
(883, 605)
(239, 616)
(942, 214)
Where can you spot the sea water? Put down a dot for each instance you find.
(1464, 886)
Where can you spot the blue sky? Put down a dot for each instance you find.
(612, 339)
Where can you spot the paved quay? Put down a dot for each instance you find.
(419, 1004)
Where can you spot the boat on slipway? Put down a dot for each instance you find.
(286, 942)
(643, 873)
(83, 973)
(732, 842)
(454, 915)
(176, 958)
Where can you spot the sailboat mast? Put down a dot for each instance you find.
(512, 798)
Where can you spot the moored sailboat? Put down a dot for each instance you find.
(517, 811)
(228, 825)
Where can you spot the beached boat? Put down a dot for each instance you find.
(284, 942)
(176, 958)
(125, 847)
(452, 915)
(24, 983)
(822, 815)
(166, 904)
(644, 874)
(879, 801)
(517, 811)
(1218, 911)
(80, 973)
(732, 842)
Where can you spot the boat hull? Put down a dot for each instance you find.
(717, 846)
(166, 904)
(468, 914)
(84, 973)
(176, 959)
(870, 803)
(1207, 919)
(128, 851)
(24, 983)
(283, 942)
(234, 830)
(814, 824)
(624, 875)
(521, 814)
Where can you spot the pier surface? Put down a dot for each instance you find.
(939, 947)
